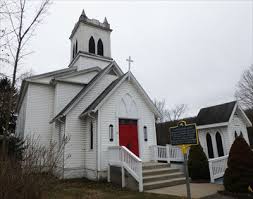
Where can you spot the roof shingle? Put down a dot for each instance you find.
(215, 114)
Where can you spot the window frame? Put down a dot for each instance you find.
(111, 133)
(92, 44)
(145, 133)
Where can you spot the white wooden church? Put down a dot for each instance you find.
(93, 102)
(106, 113)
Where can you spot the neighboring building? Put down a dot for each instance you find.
(92, 101)
(218, 126)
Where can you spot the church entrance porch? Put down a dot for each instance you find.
(128, 135)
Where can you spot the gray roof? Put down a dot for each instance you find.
(215, 114)
(97, 101)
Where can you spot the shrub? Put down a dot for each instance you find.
(239, 174)
(198, 164)
(34, 174)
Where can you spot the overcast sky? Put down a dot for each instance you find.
(190, 52)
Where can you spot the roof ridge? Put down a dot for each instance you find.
(219, 104)
(80, 72)
(52, 72)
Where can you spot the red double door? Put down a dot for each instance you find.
(128, 135)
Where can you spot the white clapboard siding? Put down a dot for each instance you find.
(20, 126)
(82, 78)
(39, 111)
(81, 156)
(237, 124)
(64, 93)
(108, 115)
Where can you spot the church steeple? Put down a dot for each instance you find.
(91, 37)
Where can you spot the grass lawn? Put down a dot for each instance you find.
(84, 189)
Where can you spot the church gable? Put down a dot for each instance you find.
(114, 87)
(101, 76)
(239, 118)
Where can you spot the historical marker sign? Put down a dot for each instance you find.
(183, 134)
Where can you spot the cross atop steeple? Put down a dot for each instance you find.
(129, 60)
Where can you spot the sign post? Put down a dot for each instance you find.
(184, 135)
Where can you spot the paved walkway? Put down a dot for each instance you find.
(198, 190)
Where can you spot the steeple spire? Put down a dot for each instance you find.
(105, 21)
(83, 16)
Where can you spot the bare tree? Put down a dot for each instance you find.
(167, 114)
(23, 17)
(21, 28)
(244, 91)
(178, 111)
(161, 107)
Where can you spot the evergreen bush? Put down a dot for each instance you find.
(239, 174)
(198, 163)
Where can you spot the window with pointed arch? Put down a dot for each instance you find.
(209, 146)
(100, 48)
(236, 135)
(219, 144)
(92, 45)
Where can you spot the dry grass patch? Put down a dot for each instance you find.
(85, 189)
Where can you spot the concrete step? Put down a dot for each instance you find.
(154, 165)
(163, 183)
(159, 171)
(154, 178)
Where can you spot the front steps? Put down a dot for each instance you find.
(158, 175)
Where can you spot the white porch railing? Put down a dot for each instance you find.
(124, 158)
(217, 167)
(167, 153)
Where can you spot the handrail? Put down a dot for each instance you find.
(123, 157)
(166, 153)
(218, 158)
(217, 167)
(132, 154)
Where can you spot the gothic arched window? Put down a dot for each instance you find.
(91, 45)
(219, 144)
(241, 135)
(209, 145)
(236, 134)
(100, 48)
